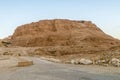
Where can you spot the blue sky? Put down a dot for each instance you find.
(104, 13)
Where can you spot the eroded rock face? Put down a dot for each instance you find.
(1, 43)
(62, 32)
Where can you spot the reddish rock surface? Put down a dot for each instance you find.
(63, 32)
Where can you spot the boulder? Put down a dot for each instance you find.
(74, 61)
(115, 62)
(85, 61)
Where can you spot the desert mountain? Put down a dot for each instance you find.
(63, 32)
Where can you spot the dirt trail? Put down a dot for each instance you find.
(45, 70)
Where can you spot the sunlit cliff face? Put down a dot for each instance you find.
(62, 32)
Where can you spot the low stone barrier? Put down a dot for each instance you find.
(25, 63)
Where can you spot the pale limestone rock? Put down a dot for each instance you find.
(85, 61)
(74, 61)
(115, 62)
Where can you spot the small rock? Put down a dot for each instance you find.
(101, 62)
(74, 61)
(85, 61)
(115, 62)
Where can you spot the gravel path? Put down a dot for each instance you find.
(45, 70)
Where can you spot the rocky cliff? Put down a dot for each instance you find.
(62, 32)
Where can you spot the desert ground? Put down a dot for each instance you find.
(46, 70)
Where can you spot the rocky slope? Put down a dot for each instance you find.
(69, 41)
(62, 32)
